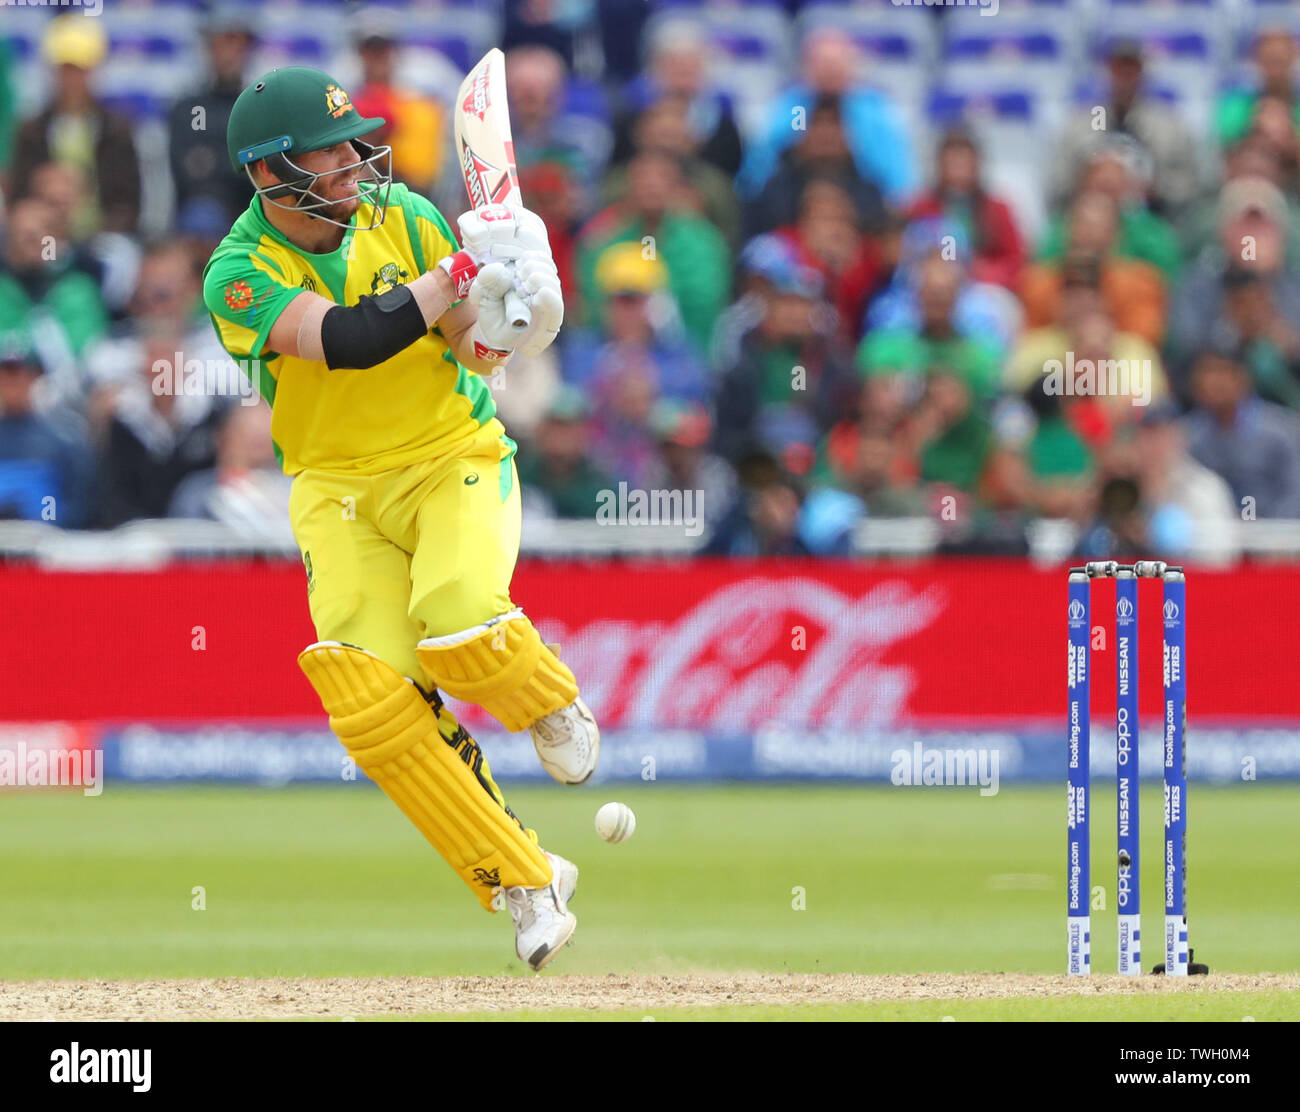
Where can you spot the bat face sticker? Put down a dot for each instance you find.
(487, 184)
(479, 98)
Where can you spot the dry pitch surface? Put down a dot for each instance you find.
(336, 998)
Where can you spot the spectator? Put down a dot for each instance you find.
(767, 264)
(557, 476)
(881, 146)
(1275, 64)
(692, 249)
(868, 462)
(641, 332)
(1267, 342)
(830, 237)
(167, 298)
(112, 259)
(1133, 292)
(931, 331)
(959, 197)
(1252, 444)
(684, 462)
(546, 25)
(947, 435)
(1117, 169)
(782, 377)
(543, 131)
(1120, 527)
(77, 130)
(706, 190)
(1274, 126)
(764, 519)
(821, 152)
(622, 442)
(1250, 157)
(1252, 237)
(155, 437)
(621, 28)
(61, 188)
(45, 475)
(990, 315)
(677, 73)
(414, 123)
(45, 291)
(556, 198)
(196, 125)
(1059, 453)
(8, 109)
(1087, 332)
(245, 489)
(1191, 508)
(1133, 112)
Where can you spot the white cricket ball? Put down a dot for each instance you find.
(615, 822)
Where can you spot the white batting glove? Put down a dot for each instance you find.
(499, 233)
(538, 283)
(494, 336)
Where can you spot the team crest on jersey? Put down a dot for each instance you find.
(308, 283)
(239, 295)
(337, 102)
(387, 277)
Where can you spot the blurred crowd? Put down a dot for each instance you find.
(806, 318)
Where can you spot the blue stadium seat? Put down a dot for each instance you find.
(1220, 5)
(947, 106)
(137, 104)
(150, 48)
(23, 49)
(697, 5)
(301, 49)
(453, 47)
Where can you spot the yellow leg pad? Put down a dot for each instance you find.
(392, 734)
(506, 670)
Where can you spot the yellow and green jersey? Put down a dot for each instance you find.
(419, 404)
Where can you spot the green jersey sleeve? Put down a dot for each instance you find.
(245, 294)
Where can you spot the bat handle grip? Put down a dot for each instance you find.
(517, 311)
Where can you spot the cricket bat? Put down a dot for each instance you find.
(487, 152)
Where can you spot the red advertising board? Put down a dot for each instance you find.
(711, 645)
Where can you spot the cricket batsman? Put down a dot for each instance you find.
(365, 326)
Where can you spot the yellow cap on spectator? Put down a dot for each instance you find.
(624, 268)
(74, 40)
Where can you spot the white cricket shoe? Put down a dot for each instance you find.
(543, 921)
(568, 743)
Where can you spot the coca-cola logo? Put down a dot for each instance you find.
(737, 659)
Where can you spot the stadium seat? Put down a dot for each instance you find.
(899, 45)
(1010, 49)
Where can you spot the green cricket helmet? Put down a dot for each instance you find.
(292, 111)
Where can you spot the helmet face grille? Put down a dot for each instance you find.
(299, 185)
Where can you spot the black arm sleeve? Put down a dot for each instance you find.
(372, 330)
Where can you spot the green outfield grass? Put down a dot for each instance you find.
(322, 881)
(1229, 1007)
